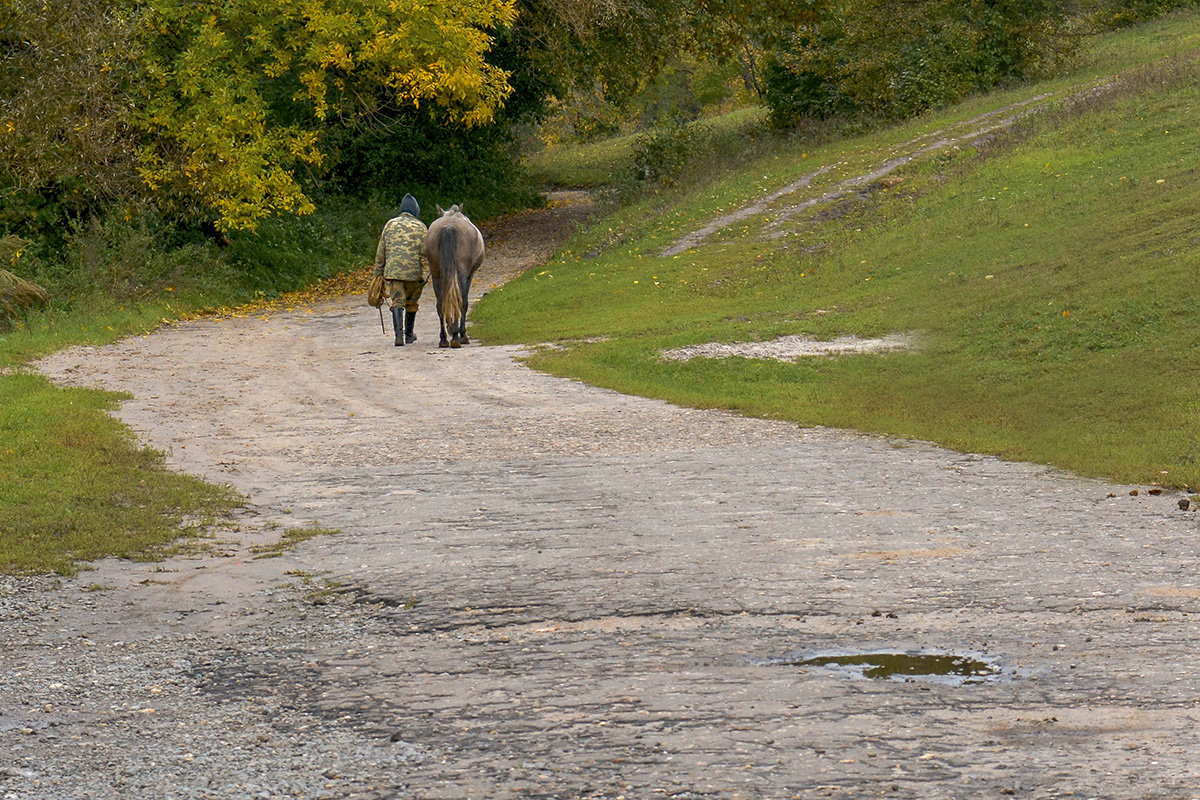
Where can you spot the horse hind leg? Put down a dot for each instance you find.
(442, 341)
(462, 323)
(459, 331)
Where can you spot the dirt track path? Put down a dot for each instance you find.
(548, 590)
(961, 133)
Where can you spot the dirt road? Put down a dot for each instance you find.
(541, 589)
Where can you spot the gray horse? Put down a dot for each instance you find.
(454, 247)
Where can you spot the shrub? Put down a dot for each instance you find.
(794, 92)
(1113, 14)
(660, 154)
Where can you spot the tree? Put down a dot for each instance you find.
(620, 45)
(891, 59)
(214, 110)
(237, 94)
(66, 140)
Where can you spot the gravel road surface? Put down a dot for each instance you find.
(546, 590)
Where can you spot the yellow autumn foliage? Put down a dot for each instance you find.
(237, 92)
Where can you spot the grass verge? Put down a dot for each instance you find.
(1051, 274)
(75, 486)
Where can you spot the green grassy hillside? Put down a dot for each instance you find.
(1049, 271)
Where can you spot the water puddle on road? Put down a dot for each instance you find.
(950, 668)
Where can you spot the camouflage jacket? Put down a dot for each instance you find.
(398, 256)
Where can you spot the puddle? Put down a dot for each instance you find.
(954, 668)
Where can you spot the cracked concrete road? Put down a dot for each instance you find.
(543, 589)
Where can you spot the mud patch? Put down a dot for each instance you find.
(792, 348)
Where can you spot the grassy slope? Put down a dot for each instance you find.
(1052, 275)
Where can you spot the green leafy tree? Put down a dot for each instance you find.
(66, 139)
(615, 47)
(889, 59)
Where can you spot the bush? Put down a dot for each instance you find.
(670, 95)
(437, 163)
(1113, 14)
(123, 257)
(131, 257)
(792, 94)
(659, 155)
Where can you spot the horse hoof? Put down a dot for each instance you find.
(443, 343)
(455, 345)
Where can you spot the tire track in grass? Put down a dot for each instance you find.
(924, 145)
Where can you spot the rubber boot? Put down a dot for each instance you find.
(396, 312)
(409, 318)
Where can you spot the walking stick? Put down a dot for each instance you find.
(380, 307)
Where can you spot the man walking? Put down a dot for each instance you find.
(398, 259)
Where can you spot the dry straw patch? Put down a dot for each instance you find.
(18, 294)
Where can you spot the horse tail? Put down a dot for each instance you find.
(452, 299)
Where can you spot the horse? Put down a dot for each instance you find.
(454, 249)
